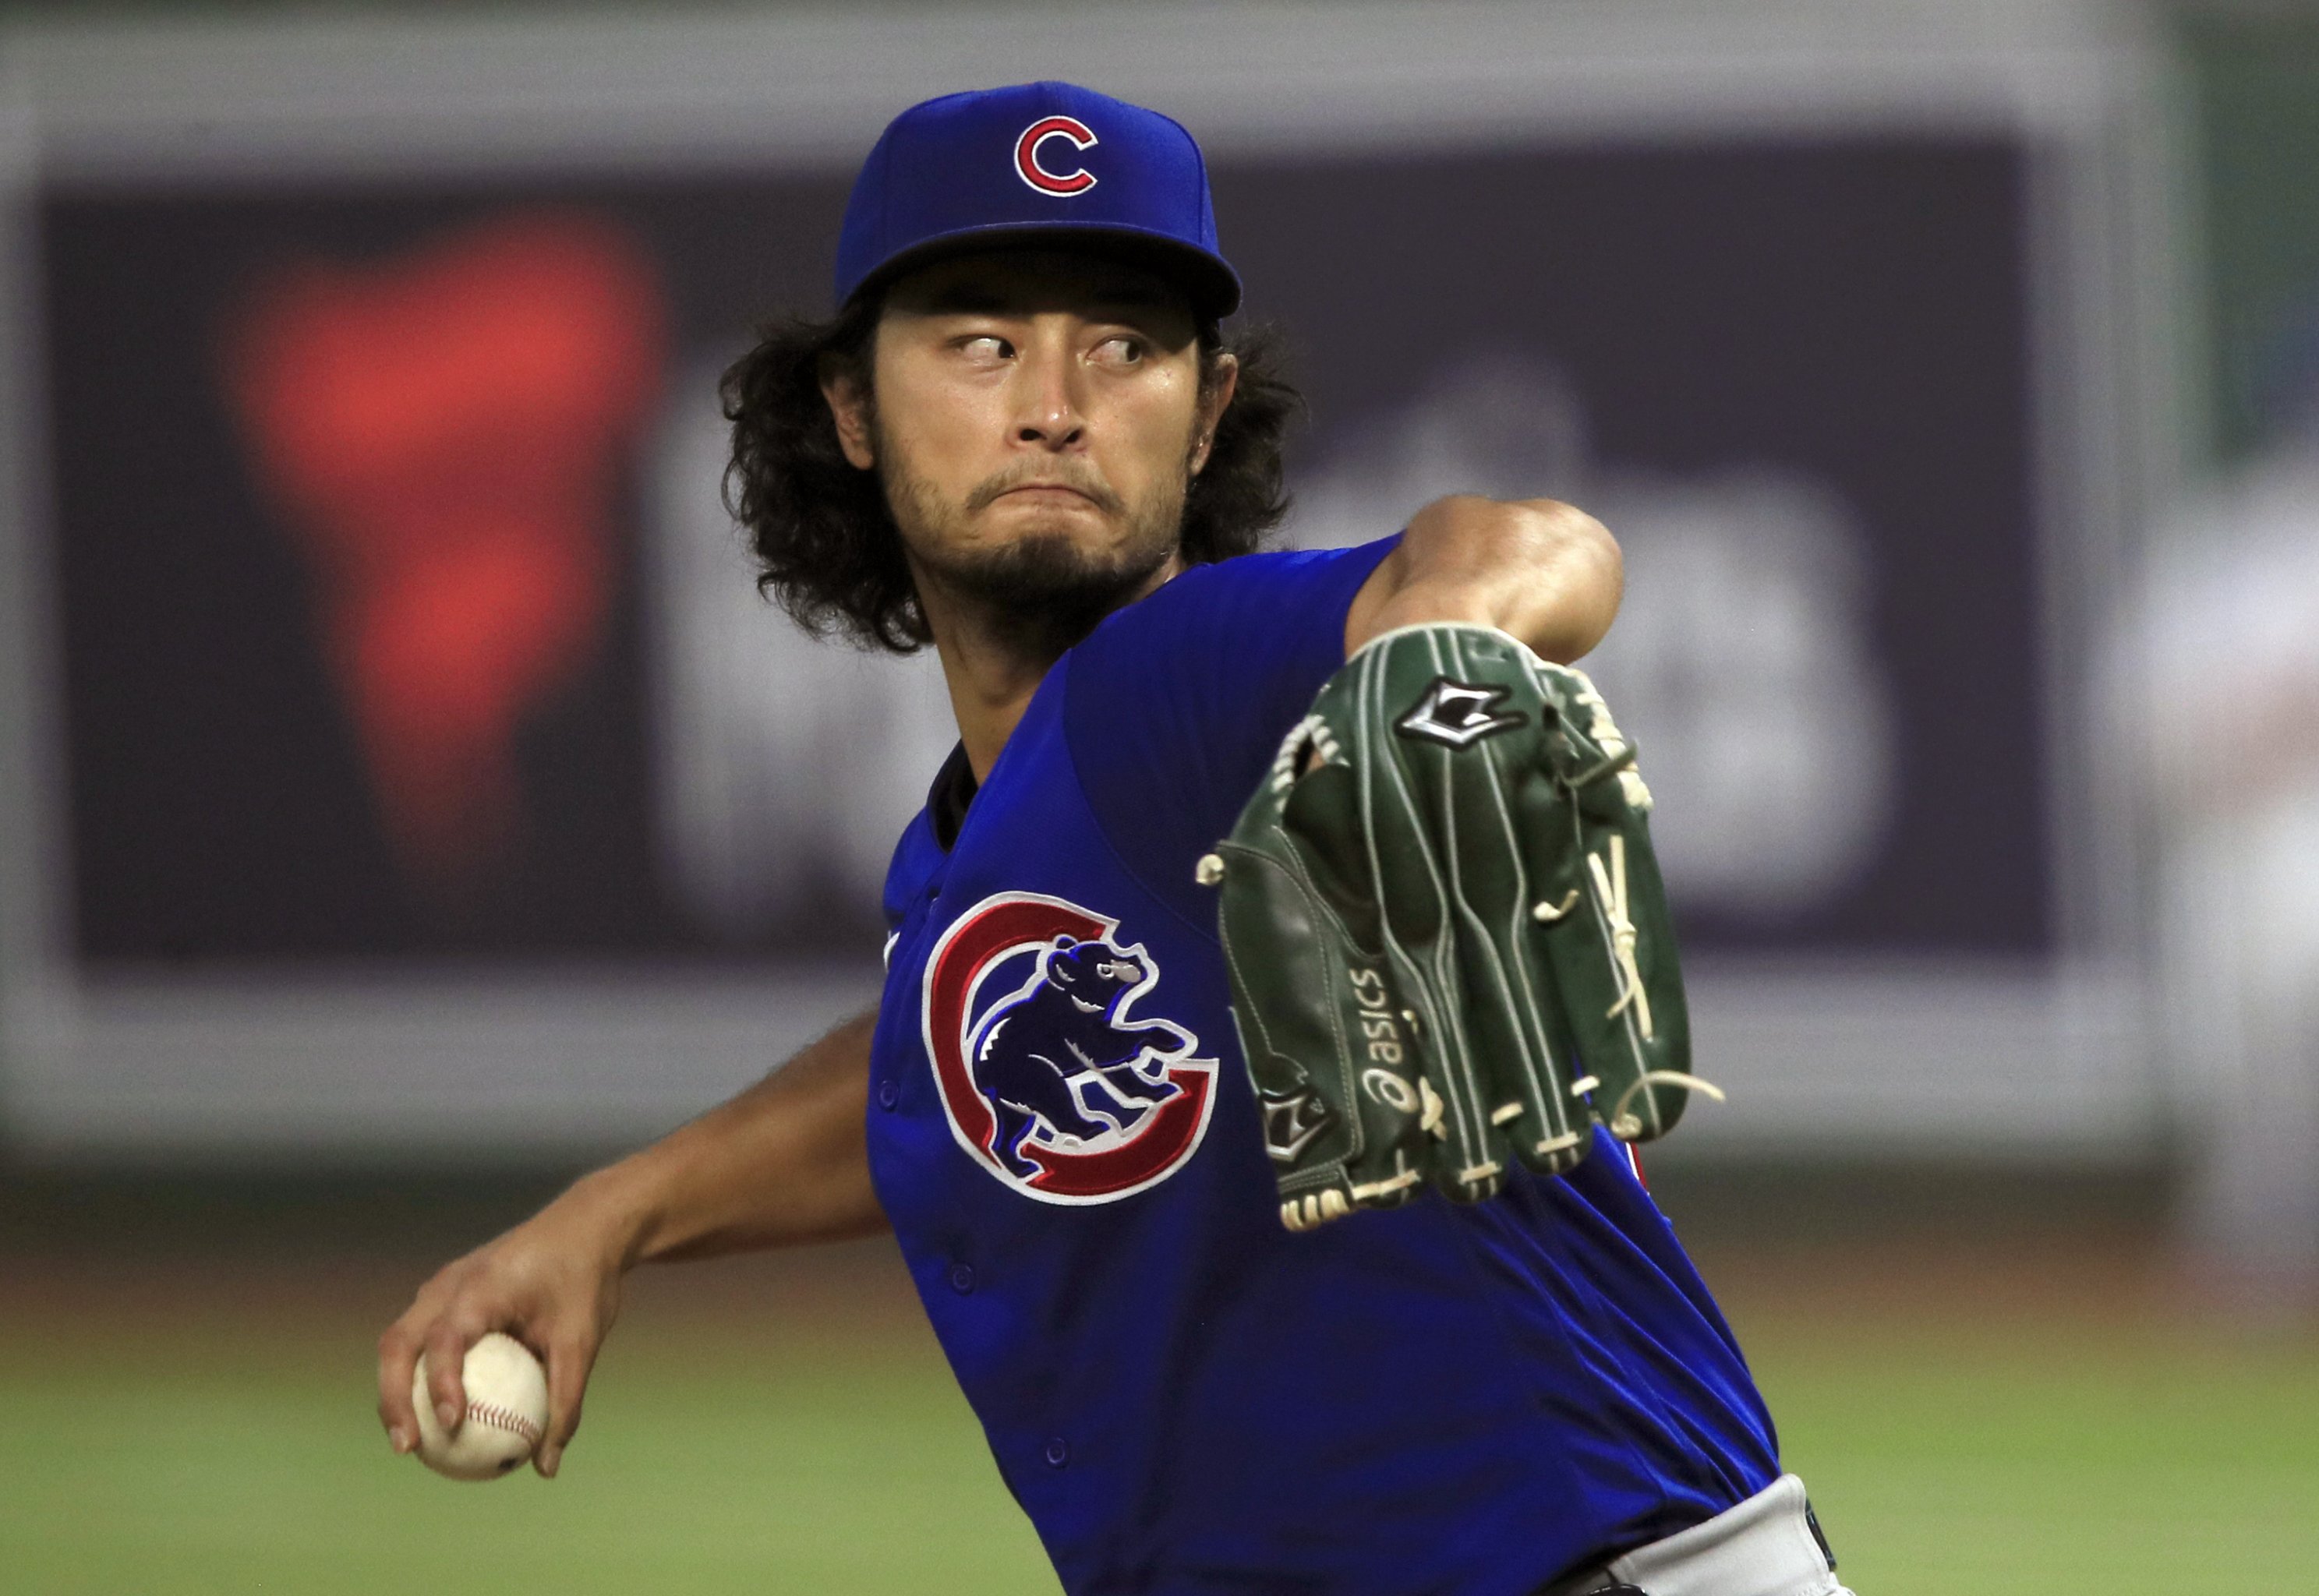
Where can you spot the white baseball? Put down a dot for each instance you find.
(507, 1412)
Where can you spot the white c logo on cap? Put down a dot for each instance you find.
(1026, 155)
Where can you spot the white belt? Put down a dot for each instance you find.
(1765, 1546)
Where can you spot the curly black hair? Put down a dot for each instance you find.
(826, 543)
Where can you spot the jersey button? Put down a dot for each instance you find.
(888, 1094)
(962, 1278)
(1059, 1452)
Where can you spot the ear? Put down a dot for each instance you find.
(846, 392)
(1213, 405)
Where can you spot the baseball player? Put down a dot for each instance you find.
(1024, 441)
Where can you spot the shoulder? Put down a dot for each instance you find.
(1281, 566)
(1264, 592)
(1275, 573)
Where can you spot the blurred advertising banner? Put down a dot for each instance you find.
(401, 659)
(416, 629)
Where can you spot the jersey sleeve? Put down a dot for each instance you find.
(1174, 706)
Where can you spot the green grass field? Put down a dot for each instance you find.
(801, 1435)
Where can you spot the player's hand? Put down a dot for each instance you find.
(552, 1282)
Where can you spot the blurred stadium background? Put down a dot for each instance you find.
(405, 802)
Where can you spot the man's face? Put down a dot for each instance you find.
(1036, 419)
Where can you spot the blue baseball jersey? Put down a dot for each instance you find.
(1184, 1396)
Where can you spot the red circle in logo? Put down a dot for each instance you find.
(1026, 155)
(1060, 1132)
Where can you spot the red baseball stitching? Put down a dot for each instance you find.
(500, 1418)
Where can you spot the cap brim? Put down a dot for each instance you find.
(1214, 287)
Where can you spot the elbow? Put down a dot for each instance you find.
(1560, 575)
(1487, 539)
(1546, 572)
(1580, 576)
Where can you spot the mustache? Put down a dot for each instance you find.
(1078, 478)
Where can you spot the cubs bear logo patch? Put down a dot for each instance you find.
(1050, 1080)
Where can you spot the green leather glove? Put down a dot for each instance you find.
(1447, 942)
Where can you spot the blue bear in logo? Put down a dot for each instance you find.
(1058, 1054)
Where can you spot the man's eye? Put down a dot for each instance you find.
(987, 348)
(1120, 351)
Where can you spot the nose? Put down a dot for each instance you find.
(1049, 414)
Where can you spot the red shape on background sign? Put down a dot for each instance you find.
(444, 434)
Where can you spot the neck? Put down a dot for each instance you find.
(991, 667)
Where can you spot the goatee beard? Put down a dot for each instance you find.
(1041, 593)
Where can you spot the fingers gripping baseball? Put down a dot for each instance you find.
(570, 1361)
(446, 1342)
(541, 1284)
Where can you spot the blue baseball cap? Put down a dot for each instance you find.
(1035, 161)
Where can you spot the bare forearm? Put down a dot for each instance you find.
(785, 1162)
(1543, 571)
